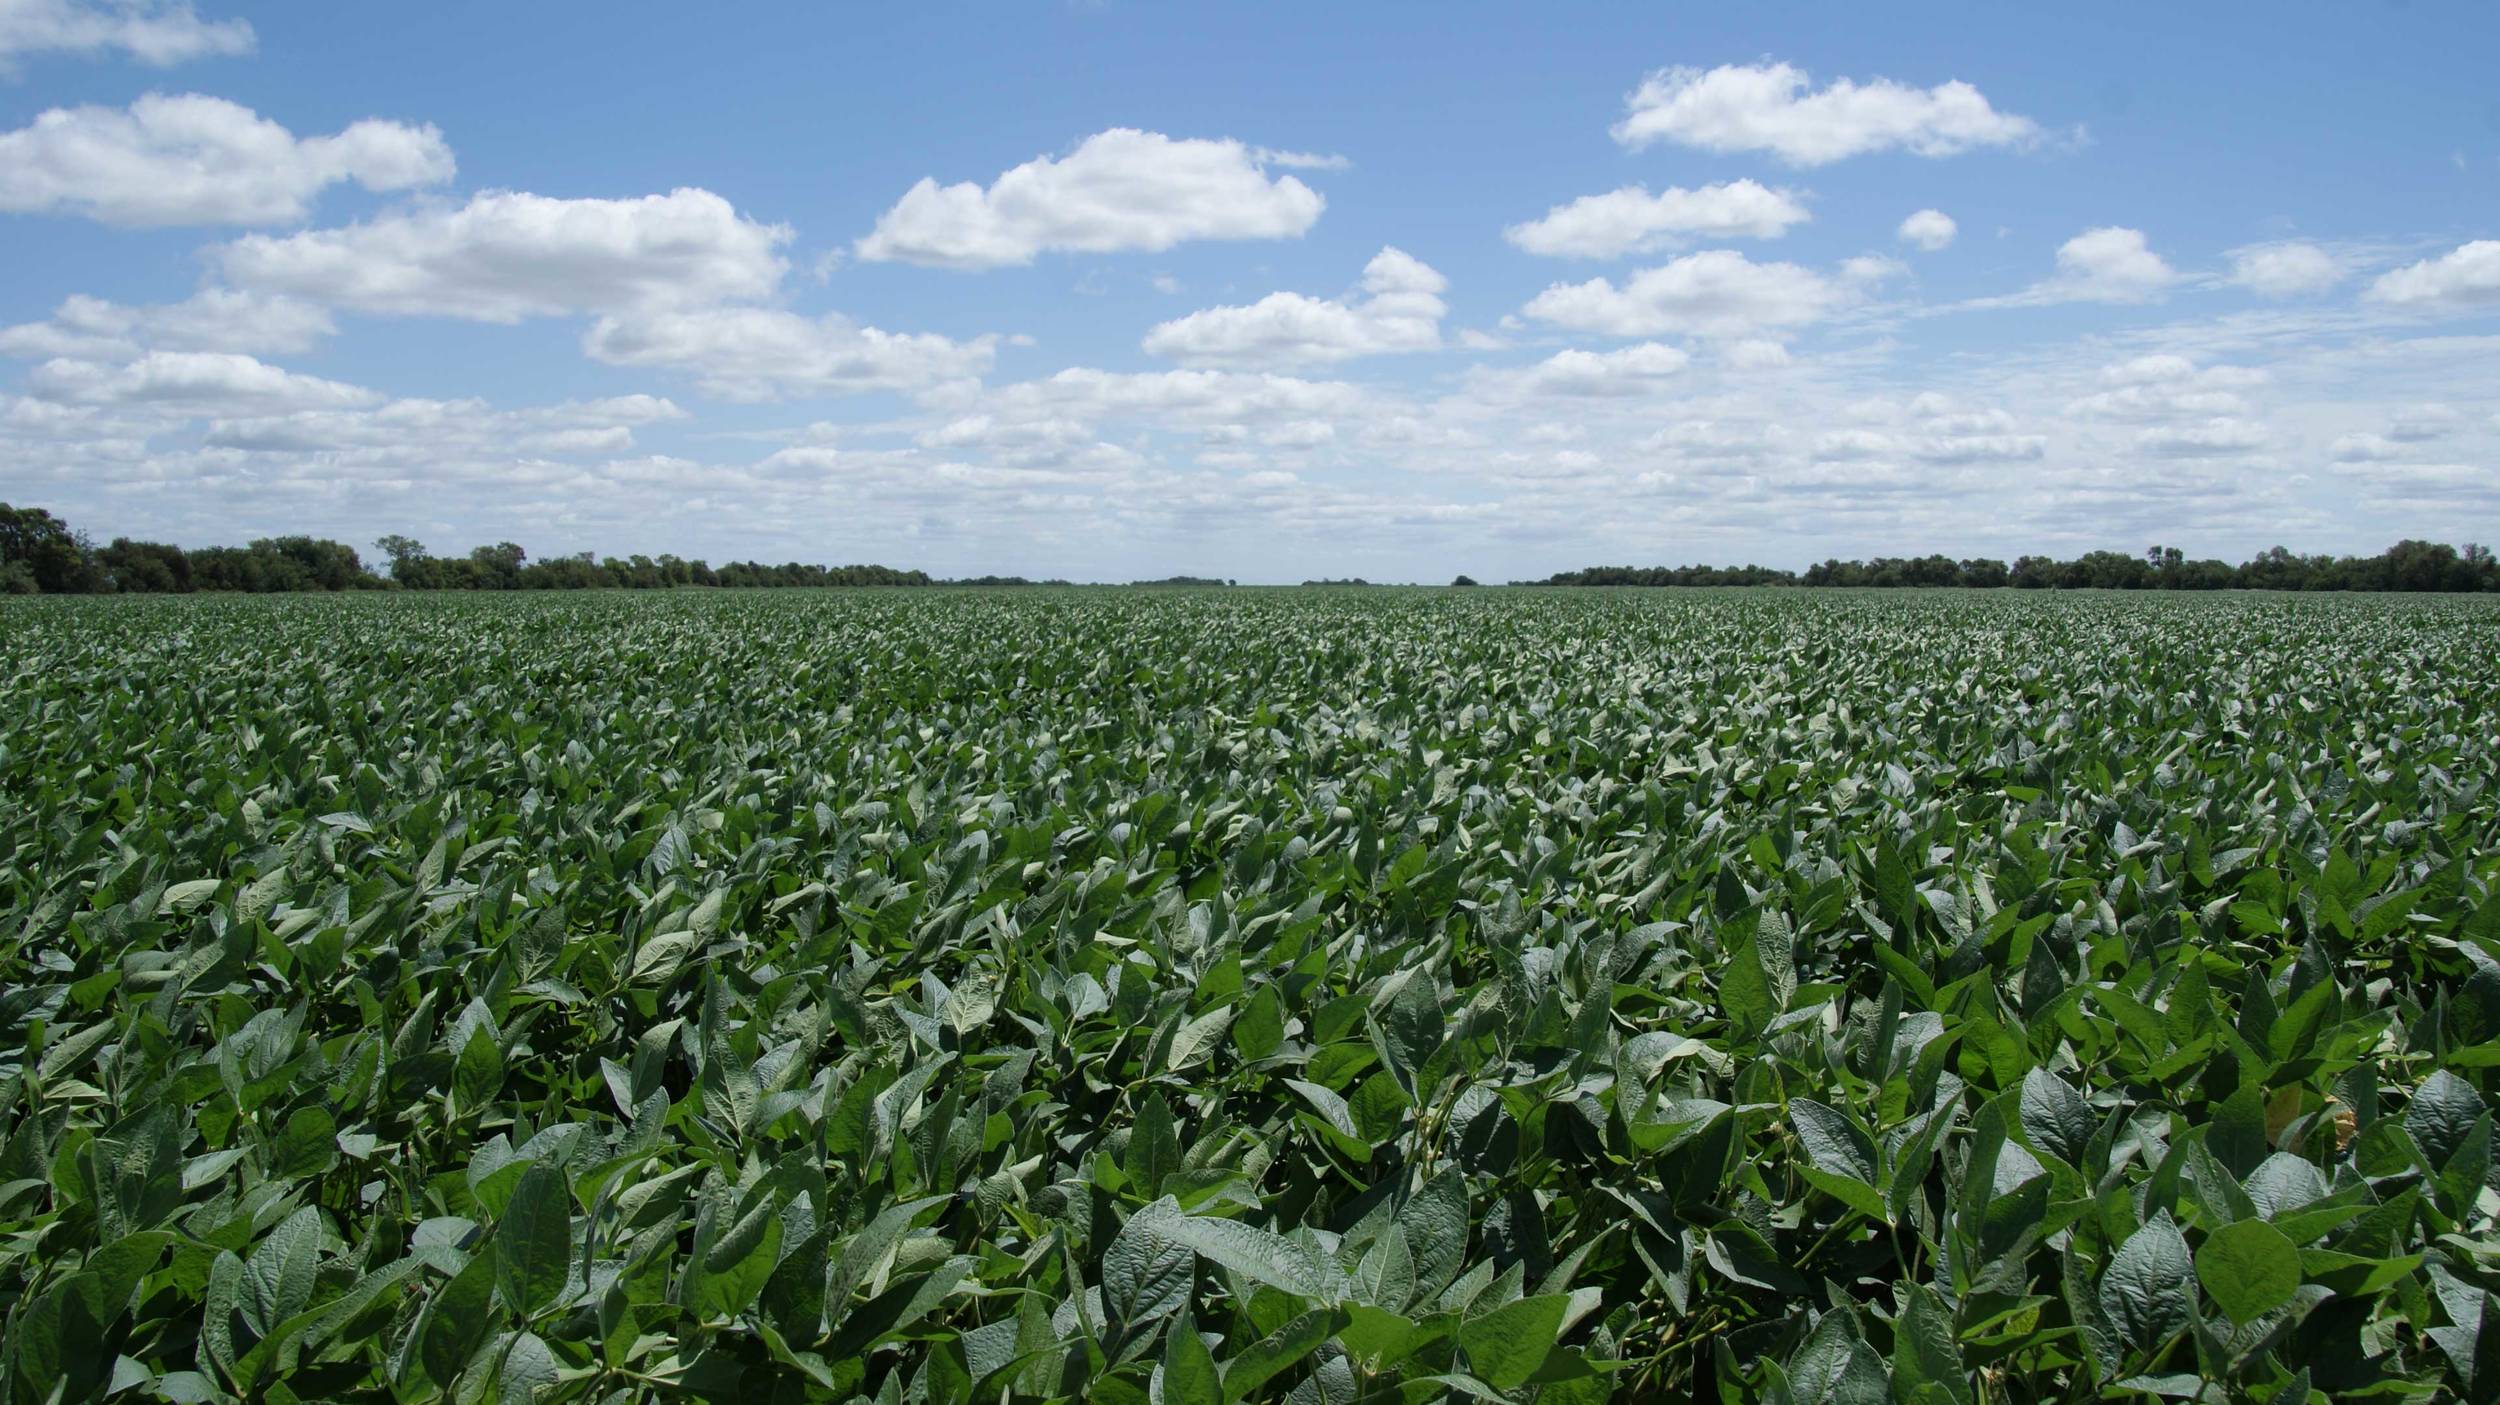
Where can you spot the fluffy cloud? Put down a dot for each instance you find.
(2285, 270)
(2464, 279)
(2219, 437)
(405, 431)
(754, 353)
(1927, 229)
(1172, 399)
(1632, 220)
(2110, 264)
(201, 382)
(507, 255)
(2165, 386)
(1399, 309)
(159, 32)
(1932, 429)
(1766, 107)
(1716, 293)
(191, 159)
(1120, 189)
(2364, 448)
(215, 319)
(2419, 423)
(1632, 370)
(1754, 354)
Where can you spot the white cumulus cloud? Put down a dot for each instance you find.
(190, 159)
(506, 255)
(158, 32)
(1928, 229)
(1632, 220)
(1630, 370)
(1771, 107)
(214, 319)
(1398, 307)
(2465, 278)
(199, 382)
(1121, 189)
(754, 353)
(1715, 293)
(2286, 270)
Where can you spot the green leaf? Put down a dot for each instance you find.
(1154, 1149)
(734, 1269)
(2249, 1269)
(1411, 1028)
(1278, 1351)
(478, 1076)
(1834, 1367)
(1926, 1358)
(2147, 1291)
(1260, 1030)
(2442, 1112)
(1146, 1273)
(2056, 1117)
(1293, 1265)
(1506, 1346)
(1189, 1374)
(534, 1240)
(460, 1315)
(1832, 1140)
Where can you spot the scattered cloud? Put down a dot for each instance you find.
(1715, 293)
(507, 255)
(2364, 448)
(2165, 386)
(1121, 189)
(2286, 270)
(2467, 278)
(157, 32)
(199, 381)
(2418, 424)
(191, 159)
(1632, 220)
(215, 319)
(1396, 308)
(2216, 437)
(2111, 264)
(1639, 369)
(754, 353)
(1754, 354)
(1927, 229)
(1770, 107)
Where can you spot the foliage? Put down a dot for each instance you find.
(2413, 566)
(1195, 997)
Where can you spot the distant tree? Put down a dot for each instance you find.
(58, 560)
(498, 566)
(407, 556)
(1985, 573)
(157, 568)
(1464, 580)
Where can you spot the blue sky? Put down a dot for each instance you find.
(1260, 291)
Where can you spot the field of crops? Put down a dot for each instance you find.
(1196, 997)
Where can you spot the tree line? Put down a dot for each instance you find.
(40, 554)
(2406, 566)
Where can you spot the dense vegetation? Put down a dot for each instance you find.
(2414, 566)
(40, 554)
(1194, 997)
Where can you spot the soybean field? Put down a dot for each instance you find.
(1188, 997)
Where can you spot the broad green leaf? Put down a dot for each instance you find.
(2249, 1269)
